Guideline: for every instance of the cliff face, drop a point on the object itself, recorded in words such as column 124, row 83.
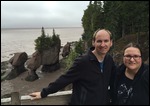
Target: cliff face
column 143, row 40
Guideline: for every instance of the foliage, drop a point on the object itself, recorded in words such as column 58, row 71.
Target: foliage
column 45, row 42
column 120, row 17
column 79, row 47
column 74, row 53
column 121, row 43
column 92, row 20
column 70, row 59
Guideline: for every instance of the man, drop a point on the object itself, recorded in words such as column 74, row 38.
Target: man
column 90, row 74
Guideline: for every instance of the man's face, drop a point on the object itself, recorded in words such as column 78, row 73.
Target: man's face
column 102, row 42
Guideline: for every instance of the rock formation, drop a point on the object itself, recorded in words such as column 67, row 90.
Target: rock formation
column 17, row 61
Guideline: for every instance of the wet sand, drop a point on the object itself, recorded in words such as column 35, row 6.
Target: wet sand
column 19, row 84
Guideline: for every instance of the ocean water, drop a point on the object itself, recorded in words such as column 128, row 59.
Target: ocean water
column 22, row 40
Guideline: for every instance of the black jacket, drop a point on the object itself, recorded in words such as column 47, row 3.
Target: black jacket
column 140, row 84
column 90, row 86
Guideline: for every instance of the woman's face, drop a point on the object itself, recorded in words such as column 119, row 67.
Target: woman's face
column 132, row 58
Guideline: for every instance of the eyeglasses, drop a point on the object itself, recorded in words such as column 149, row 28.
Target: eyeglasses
column 135, row 57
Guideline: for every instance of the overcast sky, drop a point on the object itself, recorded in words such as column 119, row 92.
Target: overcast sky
column 35, row 14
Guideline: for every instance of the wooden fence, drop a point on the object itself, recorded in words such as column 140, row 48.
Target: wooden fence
column 59, row 98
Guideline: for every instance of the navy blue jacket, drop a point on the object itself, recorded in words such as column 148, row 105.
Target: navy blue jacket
column 90, row 86
column 140, row 84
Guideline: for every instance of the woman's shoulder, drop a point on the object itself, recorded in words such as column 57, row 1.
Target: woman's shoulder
column 145, row 74
column 146, row 66
column 145, row 69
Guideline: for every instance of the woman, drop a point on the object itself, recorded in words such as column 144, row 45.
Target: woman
column 132, row 78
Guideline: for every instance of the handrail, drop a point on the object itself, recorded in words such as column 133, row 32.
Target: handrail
column 27, row 97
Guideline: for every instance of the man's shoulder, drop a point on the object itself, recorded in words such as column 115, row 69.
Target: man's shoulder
column 81, row 58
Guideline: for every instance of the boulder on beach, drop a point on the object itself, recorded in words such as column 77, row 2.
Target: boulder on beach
column 66, row 50
column 17, row 61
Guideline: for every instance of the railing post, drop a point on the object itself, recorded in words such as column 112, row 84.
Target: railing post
column 15, row 98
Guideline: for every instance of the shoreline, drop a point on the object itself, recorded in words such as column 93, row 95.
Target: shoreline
column 19, row 84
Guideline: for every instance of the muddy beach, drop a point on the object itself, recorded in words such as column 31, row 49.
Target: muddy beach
column 19, row 84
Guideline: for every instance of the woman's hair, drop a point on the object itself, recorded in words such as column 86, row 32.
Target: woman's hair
column 135, row 45
column 99, row 30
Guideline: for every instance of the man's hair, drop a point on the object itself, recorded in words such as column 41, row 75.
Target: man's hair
column 102, row 29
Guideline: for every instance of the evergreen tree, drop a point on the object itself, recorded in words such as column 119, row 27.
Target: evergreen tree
column 45, row 42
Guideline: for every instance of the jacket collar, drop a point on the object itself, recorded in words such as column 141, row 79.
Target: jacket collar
column 92, row 56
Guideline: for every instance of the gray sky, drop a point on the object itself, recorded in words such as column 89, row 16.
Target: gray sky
column 35, row 14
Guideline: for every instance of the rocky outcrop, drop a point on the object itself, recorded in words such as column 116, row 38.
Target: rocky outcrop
column 50, row 56
column 18, row 59
column 32, row 64
column 66, row 50
column 49, row 59
column 17, row 62
column 6, row 68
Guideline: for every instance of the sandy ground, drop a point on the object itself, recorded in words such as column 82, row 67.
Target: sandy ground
column 19, row 84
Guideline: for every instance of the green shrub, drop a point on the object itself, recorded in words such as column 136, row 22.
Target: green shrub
column 79, row 47
column 70, row 59
column 45, row 42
